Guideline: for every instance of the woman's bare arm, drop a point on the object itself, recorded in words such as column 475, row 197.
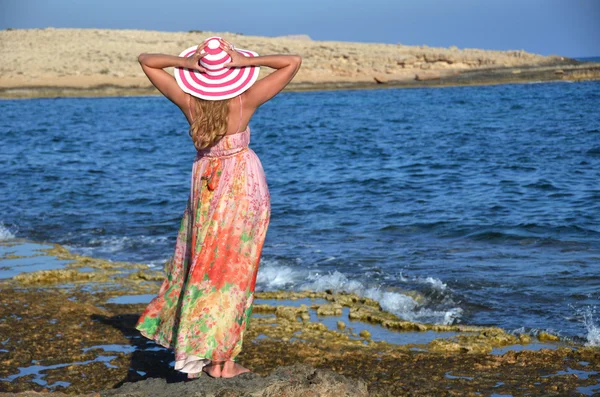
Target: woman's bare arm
column 153, row 65
column 266, row 88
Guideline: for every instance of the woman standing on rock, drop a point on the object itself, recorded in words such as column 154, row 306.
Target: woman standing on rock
column 204, row 304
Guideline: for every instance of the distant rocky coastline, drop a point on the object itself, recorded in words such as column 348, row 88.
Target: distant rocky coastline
column 100, row 62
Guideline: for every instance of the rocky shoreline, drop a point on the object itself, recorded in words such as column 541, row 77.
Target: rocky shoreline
column 96, row 62
column 571, row 73
column 70, row 329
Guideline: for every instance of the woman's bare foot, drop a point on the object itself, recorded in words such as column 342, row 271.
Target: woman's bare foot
column 213, row 369
column 231, row 369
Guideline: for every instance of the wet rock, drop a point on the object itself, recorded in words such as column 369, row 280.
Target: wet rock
column 92, row 346
column 524, row 339
column 291, row 295
column 448, row 346
column 288, row 312
column 317, row 326
column 147, row 275
column 388, row 320
column 380, row 80
column 349, row 300
column 264, row 309
column 298, row 380
column 545, row 336
column 58, row 276
column 45, row 394
column 61, row 252
column 329, row 310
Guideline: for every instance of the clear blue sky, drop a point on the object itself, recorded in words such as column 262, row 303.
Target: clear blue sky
column 565, row 27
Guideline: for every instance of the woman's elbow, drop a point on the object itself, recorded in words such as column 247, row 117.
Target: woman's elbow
column 141, row 57
column 297, row 59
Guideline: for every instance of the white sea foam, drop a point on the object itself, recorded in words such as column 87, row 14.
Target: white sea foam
column 593, row 335
column 117, row 244
column 157, row 264
column 402, row 305
column 5, row 234
column 273, row 275
column 333, row 281
column 435, row 283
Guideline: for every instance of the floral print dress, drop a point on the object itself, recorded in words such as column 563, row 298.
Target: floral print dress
column 204, row 304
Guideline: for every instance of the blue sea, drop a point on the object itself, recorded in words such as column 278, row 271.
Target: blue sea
column 588, row 59
column 484, row 200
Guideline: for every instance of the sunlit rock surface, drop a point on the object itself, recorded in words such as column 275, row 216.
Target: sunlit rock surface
column 106, row 62
column 76, row 335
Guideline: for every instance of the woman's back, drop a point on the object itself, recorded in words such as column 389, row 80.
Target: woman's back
column 238, row 117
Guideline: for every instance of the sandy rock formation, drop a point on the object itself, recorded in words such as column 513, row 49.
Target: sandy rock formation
column 88, row 58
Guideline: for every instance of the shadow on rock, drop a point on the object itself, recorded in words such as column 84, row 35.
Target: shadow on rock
column 150, row 374
column 148, row 360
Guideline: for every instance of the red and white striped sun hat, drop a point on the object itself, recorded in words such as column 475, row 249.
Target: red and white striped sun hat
column 218, row 82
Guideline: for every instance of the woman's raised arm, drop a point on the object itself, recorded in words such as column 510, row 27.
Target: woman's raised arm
column 153, row 65
column 266, row 88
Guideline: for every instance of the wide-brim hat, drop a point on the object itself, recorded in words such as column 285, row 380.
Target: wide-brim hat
column 218, row 82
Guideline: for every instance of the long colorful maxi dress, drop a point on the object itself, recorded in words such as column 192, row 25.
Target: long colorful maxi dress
column 204, row 304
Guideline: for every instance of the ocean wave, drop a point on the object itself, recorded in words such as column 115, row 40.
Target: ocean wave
column 433, row 282
column 407, row 308
column 398, row 303
column 593, row 330
column 117, row 244
column 158, row 263
column 5, row 233
column 272, row 275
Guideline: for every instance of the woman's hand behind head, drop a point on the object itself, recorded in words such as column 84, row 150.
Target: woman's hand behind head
column 266, row 88
column 237, row 59
column 193, row 61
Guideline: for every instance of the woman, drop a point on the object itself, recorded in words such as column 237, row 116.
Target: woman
column 203, row 306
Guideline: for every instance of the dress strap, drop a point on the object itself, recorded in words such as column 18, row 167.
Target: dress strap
column 240, row 124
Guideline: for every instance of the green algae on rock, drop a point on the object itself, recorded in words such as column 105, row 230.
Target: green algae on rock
column 70, row 268
column 68, row 336
column 147, row 275
column 59, row 276
column 75, row 337
column 63, row 253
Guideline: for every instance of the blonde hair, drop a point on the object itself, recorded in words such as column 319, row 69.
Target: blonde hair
column 209, row 122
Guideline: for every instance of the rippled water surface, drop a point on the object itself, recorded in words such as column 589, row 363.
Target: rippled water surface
column 484, row 199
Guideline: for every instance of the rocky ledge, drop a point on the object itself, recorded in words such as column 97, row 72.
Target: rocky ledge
column 105, row 62
column 298, row 380
column 72, row 331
